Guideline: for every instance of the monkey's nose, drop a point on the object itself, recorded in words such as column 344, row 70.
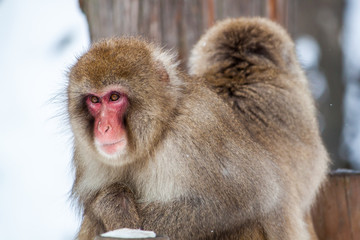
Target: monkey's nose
column 104, row 128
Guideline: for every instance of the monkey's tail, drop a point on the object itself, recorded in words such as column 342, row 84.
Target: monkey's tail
column 240, row 51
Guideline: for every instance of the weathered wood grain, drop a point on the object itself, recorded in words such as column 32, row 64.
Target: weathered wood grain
column 336, row 214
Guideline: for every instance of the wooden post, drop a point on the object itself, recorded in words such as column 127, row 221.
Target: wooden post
column 278, row 11
column 336, row 214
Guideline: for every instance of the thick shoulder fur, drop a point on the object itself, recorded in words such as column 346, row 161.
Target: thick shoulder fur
column 252, row 65
column 237, row 43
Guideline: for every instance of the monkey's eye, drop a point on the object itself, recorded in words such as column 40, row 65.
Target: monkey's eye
column 94, row 99
column 114, row 97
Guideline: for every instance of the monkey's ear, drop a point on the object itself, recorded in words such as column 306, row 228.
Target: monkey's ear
column 161, row 70
column 166, row 66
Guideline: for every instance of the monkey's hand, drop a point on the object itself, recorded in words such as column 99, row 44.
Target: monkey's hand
column 115, row 207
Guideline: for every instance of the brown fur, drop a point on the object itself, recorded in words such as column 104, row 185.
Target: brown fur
column 232, row 152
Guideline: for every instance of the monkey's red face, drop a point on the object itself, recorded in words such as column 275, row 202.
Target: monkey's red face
column 108, row 110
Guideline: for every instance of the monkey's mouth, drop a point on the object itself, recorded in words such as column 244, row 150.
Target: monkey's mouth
column 111, row 149
column 114, row 143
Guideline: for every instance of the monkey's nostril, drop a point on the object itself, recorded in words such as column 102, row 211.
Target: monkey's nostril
column 103, row 128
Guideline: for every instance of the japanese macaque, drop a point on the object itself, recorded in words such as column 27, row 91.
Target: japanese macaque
column 229, row 151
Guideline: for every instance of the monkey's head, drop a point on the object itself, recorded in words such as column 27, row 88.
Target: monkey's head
column 121, row 93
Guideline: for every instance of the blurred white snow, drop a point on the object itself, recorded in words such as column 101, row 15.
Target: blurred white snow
column 39, row 39
column 351, row 39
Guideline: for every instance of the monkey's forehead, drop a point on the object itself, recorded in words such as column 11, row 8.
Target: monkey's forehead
column 113, row 59
column 131, row 48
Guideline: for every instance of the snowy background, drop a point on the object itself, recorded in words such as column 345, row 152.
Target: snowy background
column 39, row 40
column 351, row 40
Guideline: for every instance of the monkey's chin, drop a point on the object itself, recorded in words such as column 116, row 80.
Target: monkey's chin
column 111, row 150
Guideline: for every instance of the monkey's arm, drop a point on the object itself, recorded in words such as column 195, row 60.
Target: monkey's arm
column 90, row 228
column 196, row 219
column 115, row 208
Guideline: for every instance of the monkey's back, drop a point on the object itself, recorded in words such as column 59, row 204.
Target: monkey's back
column 218, row 152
